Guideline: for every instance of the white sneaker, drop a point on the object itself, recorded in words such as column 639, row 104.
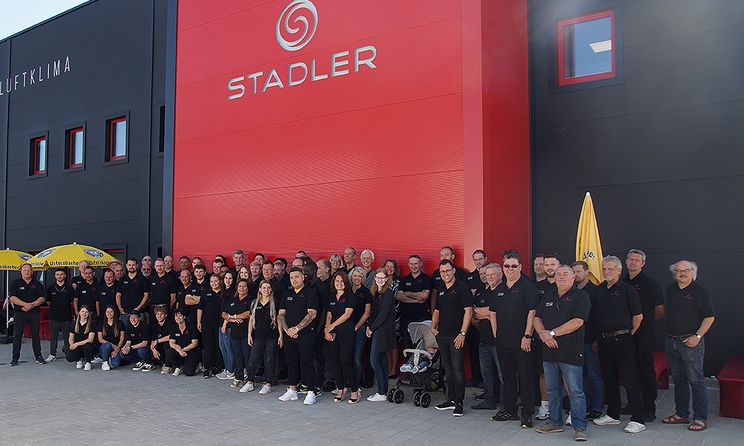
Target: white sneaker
column 79, row 365
column 87, row 366
column 406, row 368
column 289, row 395
column 166, row 370
column 376, row 398
column 50, row 358
column 543, row 412
column 568, row 420
column 248, row 387
column 176, row 371
column 309, row 398
column 105, row 366
column 96, row 360
column 606, row 420
column 265, row 390
column 137, row 367
column 634, row 427
column 222, row 375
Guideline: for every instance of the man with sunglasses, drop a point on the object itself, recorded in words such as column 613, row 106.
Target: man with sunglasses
column 515, row 304
column 449, row 322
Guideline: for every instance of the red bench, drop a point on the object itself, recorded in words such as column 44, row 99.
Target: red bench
column 661, row 367
column 731, row 380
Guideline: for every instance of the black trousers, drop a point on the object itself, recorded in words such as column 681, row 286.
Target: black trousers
column 340, row 361
column 54, row 328
column 186, row 364
column 644, row 348
column 162, row 348
column 211, row 353
column 84, row 352
column 263, row 350
column 319, row 360
column 472, row 340
column 617, row 362
column 21, row 319
column 299, row 353
column 453, row 360
column 517, row 368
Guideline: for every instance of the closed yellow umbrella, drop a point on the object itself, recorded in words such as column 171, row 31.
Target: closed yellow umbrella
column 68, row 256
column 11, row 260
column 588, row 246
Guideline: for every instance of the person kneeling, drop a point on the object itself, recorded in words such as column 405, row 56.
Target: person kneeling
column 137, row 338
column 183, row 354
column 111, row 339
column 81, row 340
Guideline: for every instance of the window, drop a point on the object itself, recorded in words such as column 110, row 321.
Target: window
column 586, row 48
column 118, row 253
column 38, row 156
column 117, row 139
column 75, row 148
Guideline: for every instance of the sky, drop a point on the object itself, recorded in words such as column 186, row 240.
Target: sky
column 18, row 15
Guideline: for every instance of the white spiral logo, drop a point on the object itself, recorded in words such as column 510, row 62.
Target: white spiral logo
column 298, row 22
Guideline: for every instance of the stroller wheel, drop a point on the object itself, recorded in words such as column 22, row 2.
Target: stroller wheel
column 391, row 395
column 425, row 400
column 399, row 396
column 417, row 398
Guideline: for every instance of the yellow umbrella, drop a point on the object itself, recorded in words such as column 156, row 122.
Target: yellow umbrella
column 68, row 256
column 11, row 260
column 588, row 245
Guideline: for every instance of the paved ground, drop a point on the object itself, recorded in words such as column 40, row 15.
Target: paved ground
column 58, row 404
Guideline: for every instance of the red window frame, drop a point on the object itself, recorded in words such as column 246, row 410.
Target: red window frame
column 35, row 155
column 111, row 125
column 71, row 164
column 560, row 25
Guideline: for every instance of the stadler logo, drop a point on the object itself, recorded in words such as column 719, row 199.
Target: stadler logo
column 299, row 19
column 295, row 28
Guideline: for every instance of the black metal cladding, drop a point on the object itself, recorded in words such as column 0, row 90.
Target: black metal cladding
column 660, row 152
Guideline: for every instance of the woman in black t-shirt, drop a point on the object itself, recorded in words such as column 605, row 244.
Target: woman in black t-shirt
column 361, row 317
column 339, row 333
column 82, row 337
column 208, row 323
column 235, row 314
column 264, row 336
column 110, row 338
column 183, row 355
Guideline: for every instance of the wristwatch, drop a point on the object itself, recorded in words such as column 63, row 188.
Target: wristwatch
column 698, row 336
column 552, row 333
column 462, row 333
column 526, row 336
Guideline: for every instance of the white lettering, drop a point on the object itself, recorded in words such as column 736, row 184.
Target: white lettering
column 335, row 64
column 33, row 70
column 314, row 76
column 358, row 61
column 239, row 87
column 56, row 67
column 15, row 83
column 1, row 88
column 291, row 82
column 24, row 78
column 272, row 83
column 255, row 77
column 49, row 69
column 67, row 64
column 41, row 79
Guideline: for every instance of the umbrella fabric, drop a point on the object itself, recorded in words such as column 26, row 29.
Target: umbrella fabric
column 588, row 245
column 11, row 260
column 68, row 256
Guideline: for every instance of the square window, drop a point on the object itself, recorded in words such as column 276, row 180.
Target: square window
column 75, row 148
column 117, row 139
column 586, row 48
column 38, row 156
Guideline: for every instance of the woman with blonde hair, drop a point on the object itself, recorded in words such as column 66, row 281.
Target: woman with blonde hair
column 81, row 339
column 336, row 263
column 265, row 338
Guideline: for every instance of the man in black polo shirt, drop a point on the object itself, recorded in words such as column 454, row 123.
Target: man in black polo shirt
column 446, row 253
column 319, row 278
column 472, row 337
column 473, row 278
column 107, row 292
column 239, row 260
column 133, row 292
column 593, row 384
column 689, row 317
column 168, row 264
column 75, row 281
column 349, row 259
column 652, row 304
column 27, row 295
column 515, row 304
column 413, row 294
column 449, row 322
column 619, row 315
column 59, row 295
column 538, row 268
column 550, row 264
column 86, row 293
column 297, row 310
column 162, row 289
column 559, row 322
column 184, row 262
column 485, row 320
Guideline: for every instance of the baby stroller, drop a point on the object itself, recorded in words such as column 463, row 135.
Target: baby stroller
column 423, row 370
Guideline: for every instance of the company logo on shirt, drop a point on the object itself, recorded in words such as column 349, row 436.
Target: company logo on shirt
column 548, row 304
column 684, row 296
column 299, row 21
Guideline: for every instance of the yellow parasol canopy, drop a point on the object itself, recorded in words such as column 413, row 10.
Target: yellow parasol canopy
column 68, row 256
column 11, row 260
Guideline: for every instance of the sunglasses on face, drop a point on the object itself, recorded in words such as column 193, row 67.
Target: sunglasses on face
column 512, row 266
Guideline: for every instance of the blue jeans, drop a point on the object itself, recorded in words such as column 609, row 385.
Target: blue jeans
column 572, row 376
column 360, row 339
column 241, row 353
column 227, row 351
column 686, row 365
column 141, row 354
column 488, row 357
column 593, row 385
column 379, row 365
column 104, row 351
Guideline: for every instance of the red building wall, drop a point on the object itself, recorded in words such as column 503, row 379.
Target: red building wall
column 428, row 147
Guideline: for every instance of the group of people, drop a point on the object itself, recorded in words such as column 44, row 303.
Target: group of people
column 528, row 339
